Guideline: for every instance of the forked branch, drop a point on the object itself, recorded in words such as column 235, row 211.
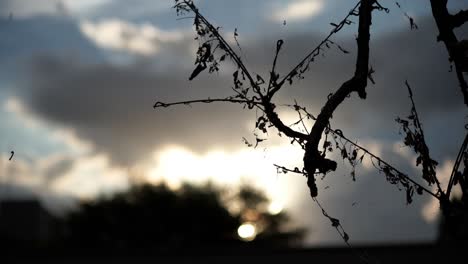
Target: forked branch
column 457, row 52
column 313, row 159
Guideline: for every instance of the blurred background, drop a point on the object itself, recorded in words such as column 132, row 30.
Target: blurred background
column 96, row 166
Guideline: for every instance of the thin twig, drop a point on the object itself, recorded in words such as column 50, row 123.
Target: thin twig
column 313, row 52
column 229, row 49
column 239, row 101
column 461, row 154
column 399, row 173
column 284, row 169
column 425, row 150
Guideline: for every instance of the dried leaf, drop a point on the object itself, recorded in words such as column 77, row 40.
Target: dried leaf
column 345, row 237
column 335, row 222
column 200, row 67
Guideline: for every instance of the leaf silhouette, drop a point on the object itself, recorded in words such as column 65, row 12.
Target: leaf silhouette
column 200, row 67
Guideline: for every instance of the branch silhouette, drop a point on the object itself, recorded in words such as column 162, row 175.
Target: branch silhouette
column 459, row 18
column 249, row 103
column 313, row 159
column 415, row 139
column 446, row 23
column 252, row 91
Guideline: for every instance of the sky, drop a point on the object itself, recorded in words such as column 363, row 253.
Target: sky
column 78, row 79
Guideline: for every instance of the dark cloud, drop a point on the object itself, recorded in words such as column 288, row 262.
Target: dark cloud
column 112, row 105
column 23, row 38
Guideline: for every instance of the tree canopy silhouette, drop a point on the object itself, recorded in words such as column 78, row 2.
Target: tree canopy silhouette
column 155, row 217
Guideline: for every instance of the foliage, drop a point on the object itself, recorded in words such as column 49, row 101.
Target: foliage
column 156, row 217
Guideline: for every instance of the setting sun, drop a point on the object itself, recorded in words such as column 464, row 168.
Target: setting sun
column 247, row 231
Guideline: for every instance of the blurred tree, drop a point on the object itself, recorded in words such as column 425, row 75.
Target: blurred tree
column 158, row 218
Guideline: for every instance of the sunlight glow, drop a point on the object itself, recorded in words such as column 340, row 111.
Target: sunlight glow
column 275, row 208
column 247, row 231
column 175, row 165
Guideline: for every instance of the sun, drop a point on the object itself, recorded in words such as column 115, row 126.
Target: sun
column 247, row 231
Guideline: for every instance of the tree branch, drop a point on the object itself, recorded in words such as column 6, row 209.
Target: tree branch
column 400, row 174
column 445, row 24
column 308, row 58
column 224, row 43
column 250, row 103
column 268, row 107
column 417, row 140
column 459, row 18
column 461, row 154
column 276, row 121
column 313, row 159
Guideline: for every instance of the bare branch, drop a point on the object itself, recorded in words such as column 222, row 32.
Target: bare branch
column 276, row 121
column 415, row 138
column 445, row 24
column 224, row 44
column 459, row 18
column 268, row 107
column 398, row 173
column 286, row 170
column 315, row 52
column 313, row 159
column 410, row 19
column 273, row 75
column 335, row 223
column 463, row 151
column 249, row 103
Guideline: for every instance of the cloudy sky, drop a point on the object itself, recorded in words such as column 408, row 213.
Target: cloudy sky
column 78, row 79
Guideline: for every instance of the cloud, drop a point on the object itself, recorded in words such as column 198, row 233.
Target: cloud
column 24, row 8
column 116, row 34
column 113, row 107
column 29, row 8
column 91, row 176
column 135, row 10
column 24, row 179
column 59, row 170
column 54, row 167
column 298, row 10
column 58, row 133
column 84, row 5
